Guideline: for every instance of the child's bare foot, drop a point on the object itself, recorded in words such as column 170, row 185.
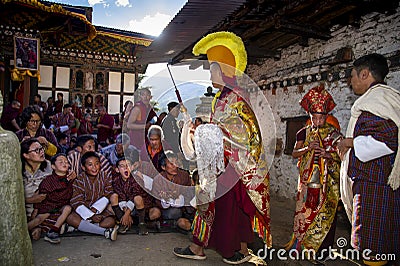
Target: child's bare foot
column 36, row 232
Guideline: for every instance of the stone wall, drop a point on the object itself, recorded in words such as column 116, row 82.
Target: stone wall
column 377, row 33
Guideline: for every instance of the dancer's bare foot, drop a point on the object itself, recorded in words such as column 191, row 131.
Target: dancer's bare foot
column 244, row 252
column 243, row 249
column 196, row 249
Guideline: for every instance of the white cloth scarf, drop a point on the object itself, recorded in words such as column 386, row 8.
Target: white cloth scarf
column 383, row 101
column 209, row 146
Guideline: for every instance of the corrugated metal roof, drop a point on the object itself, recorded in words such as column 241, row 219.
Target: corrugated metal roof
column 193, row 21
column 265, row 26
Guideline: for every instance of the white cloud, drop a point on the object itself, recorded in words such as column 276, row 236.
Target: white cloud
column 152, row 25
column 95, row 2
column 122, row 3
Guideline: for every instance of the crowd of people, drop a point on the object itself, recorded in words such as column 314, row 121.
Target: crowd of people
column 91, row 179
column 104, row 184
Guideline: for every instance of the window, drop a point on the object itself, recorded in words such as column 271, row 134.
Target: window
column 129, row 83
column 46, row 77
column 114, row 84
column 293, row 125
column 45, row 94
column 114, row 104
column 99, row 81
column 62, row 78
column 79, row 79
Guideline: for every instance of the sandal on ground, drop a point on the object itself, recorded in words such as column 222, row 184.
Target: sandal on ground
column 188, row 254
column 237, row 258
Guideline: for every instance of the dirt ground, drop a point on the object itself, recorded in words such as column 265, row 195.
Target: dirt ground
column 156, row 248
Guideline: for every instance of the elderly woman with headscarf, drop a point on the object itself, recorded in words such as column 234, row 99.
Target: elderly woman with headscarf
column 32, row 127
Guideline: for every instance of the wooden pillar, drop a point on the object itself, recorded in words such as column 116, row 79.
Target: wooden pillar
column 27, row 91
column 15, row 244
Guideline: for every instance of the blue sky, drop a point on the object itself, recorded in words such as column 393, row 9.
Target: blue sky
column 144, row 16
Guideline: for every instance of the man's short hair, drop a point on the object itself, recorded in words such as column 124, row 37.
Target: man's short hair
column 61, row 136
column 82, row 139
column 198, row 119
column 166, row 155
column 375, row 63
column 140, row 91
column 87, row 156
column 127, row 102
column 132, row 155
column 67, row 105
column 171, row 105
column 123, row 138
column 54, row 158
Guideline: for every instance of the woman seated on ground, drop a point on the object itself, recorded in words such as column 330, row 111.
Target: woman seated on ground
column 34, row 168
column 32, row 127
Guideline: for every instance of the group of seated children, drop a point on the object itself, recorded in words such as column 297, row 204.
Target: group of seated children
column 83, row 192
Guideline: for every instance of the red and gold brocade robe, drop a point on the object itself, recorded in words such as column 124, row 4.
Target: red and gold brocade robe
column 245, row 153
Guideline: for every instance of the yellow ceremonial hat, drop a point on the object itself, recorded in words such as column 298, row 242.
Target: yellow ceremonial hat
column 225, row 48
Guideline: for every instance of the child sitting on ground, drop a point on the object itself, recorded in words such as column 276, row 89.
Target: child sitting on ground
column 130, row 194
column 55, row 208
column 122, row 201
column 90, row 200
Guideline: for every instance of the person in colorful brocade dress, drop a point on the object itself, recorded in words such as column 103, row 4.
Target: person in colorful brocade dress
column 318, row 187
column 372, row 201
column 244, row 187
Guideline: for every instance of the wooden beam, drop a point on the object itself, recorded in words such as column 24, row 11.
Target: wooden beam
column 302, row 29
column 195, row 64
column 260, row 53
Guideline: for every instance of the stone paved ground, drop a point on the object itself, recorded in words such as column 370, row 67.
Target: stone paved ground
column 156, row 248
